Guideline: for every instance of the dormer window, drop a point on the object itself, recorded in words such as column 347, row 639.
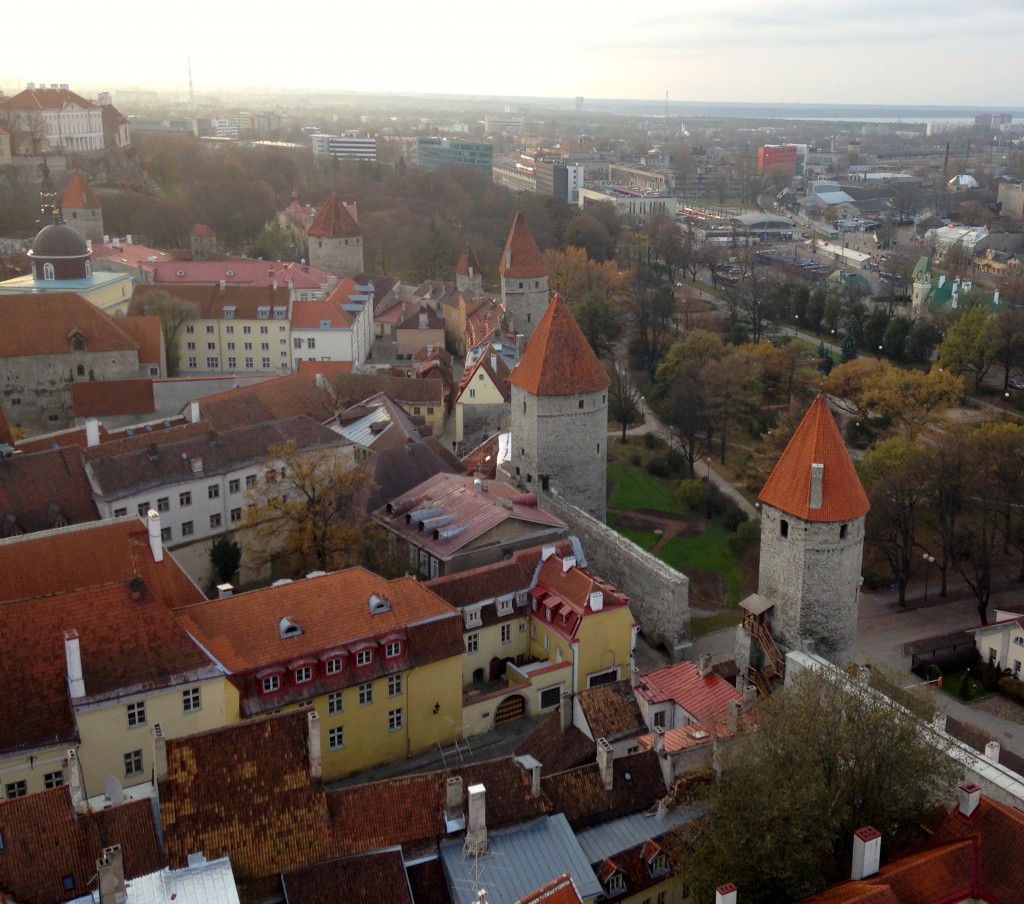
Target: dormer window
column 271, row 684
column 472, row 618
column 504, row 607
column 364, row 657
column 658, row 865
column 303, row 674
column 615, row 884
column 48, row 271
column 287, row 628
column 333, row 666
column 393, row 649
column 378, row 604
column 78, row 343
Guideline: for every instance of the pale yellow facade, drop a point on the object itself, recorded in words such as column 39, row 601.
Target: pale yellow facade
column 39, row 769
column 601, row 651
column 110, row 292
column 480, row 390
column 235, row 346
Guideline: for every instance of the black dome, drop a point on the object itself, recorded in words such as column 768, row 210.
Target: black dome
column 58, row 240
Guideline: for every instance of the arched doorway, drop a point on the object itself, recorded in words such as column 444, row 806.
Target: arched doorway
column 510, row 709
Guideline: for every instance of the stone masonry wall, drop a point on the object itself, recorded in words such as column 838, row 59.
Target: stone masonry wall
column 659, row 596
column 525, row 302
column 343, row 257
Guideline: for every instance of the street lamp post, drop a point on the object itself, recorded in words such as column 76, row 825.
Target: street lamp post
column 796, row 324
column 879, row 352
column 928, row 562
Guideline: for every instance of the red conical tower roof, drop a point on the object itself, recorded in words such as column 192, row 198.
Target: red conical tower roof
column 816, row 442
column 522, row 257
column 558, row 360
column 78, row 195
column 333, row 221
column 468, row 261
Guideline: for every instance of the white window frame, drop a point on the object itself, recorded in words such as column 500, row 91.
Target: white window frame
column 335, row 703
column 394, row 685
column 191, row 700
column 396, row 719
column 271, row 684
column 136, row 714
column 336, row 737
column 366, row 693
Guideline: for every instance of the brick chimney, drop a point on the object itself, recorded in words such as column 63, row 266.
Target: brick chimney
column 159, row 754
column 313, row 740
column 73, row 655
column 76, row 782
column 605, row 761
column 704, row 665
column 156, row 545
column 453, row 799
column 110, row 876
column 970, row 797
column 725, row 894
column 476, row 829
column 565, row 710
column 867, row 852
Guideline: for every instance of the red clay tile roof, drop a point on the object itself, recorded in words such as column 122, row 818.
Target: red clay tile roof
column 363, row 879
column 45, row 840
column 238, row 271
column 42, row 490
column 611, row 711
column 467, row 261
column 202, row 231
column 106, row 398
column 48, row 99
column 78, row 195
column 327, row 368
column 558, row 360
column 497, row 372
column 565, row 591
column 706, row 699
column 333, row 221
column 242, row 631
column 43, row 324
column 428, row 883
column 816, row 441
column 309, row 315
column 557, row 891
column 210, row 300
column 146, row 331
column 269, row 400
column 557, row 750
column 521, row 257
column 245, row 792
column 134, row 255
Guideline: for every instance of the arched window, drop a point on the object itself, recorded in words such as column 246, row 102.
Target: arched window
column 88, row 269
column 78, row 343
column 48, row 271
column 81, row 370
column 784, row 528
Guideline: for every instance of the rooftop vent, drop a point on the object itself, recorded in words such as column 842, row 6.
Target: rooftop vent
column 288, row 628
column 378, row 604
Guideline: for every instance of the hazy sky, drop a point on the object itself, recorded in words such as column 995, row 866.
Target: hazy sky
column 866, row 51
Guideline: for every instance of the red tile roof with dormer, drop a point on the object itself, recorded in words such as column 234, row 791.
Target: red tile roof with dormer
column 521, row 256
column 816, row 441
column 334, row 221
column 48, row 99
column 43, row 324
column 558, row 360
column 46, row 840
column 557, row 891
column 564, row 588
column 236, row 271
column 311, row 315
column 468, row 262
column 79, row 196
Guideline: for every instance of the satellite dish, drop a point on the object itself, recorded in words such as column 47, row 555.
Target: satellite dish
column 113, row 791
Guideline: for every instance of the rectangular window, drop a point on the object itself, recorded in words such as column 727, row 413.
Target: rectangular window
column 366, row 694
column 235, row 485
column 163, row 504
column 266, row 362
column 236, row 515
column 333, row 665
column 120, row 512
column 166, row 534
column 250, row 481
column 136, row 714
column 53, row 780
column 187, row 528
column 213, row 363
column 394, row 685
column 264, row 346
column 16, row 789
column 659, row 719
column 229, row 330
column 335, row 704
column 364, row 657
column 472, row 643
column 303, row 674
column 246, row 329
column 192, row 363
column 297, row 342
column 231, row 346
column 190, row 346
column 264, row 330
column 472, row 393
column 506, row 633
column 209, row 329
column 184, row 499
column 190, row 700
column 550, row 696
column 394, row 719
column 336, row 737
column 232, row 363
column 133, row 762
column 215, row 521
column 213, row 491
column 190, row 328
column 312, row 343
column 271, row 683
column 393, row 649
column 144, row 509
column 248, row 363
column 211, row 346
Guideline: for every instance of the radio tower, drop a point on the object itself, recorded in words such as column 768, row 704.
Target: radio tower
column 191, row 99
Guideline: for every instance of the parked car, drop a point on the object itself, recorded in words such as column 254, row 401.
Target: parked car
column 1017, row 382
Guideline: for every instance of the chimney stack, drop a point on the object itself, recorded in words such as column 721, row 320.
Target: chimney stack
column 224, row 591
column 704, row 665
column 546, row 552
column 732, row 716
column 73, row 655
column 634, row 677
column 817, row 475
column 476, row 831
column 659, row 739
column 92, row 432
column 867, row 852
column 313, row 740
column 970, row 797
column 596, row 600
column 156, row 545
column 453, row 799
column 749, row 696
column 605, row 761
column 159, row 753
column 193, row 412
column 566, row 710
column 76, row 782
column 567, row 563
column 992, row 749
column 110, row 876
column 725, row 894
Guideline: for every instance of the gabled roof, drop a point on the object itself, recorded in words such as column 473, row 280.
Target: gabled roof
column 327, row 313
column 36, row 325
column 79, row 196
column 816, row 441
column 146, row 331
column 105, row 398
column 557, row 750
column 270, row 400
column 237, row 271
column 611, row 711
column 468, row 262
column 521, row 257
column 333, row 221
column 210, row 300
column 363, row 879
column 392, row 472
column 705, row 698
column 202, row 231
column 558, row 360
column 45, row 840
column 558, row 891
column 568, row 591
column 41, row 491
column 497, row 372
column 48, row 99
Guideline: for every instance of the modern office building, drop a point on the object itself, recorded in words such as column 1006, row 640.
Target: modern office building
column 434, row 153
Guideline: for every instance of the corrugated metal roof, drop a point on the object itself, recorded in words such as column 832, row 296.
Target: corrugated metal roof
column 209, row 882
column 622, row 834
column 518, row 862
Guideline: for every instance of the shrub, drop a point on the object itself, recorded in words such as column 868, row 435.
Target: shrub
column 965, row 686
column 651, row 440
column 747, row 534
column 932, row 673
column 676, row 461
column 658, row 467
column 734, row 518
column 634, row 459
column 693, row 495
column 1012, row 688
column 990, row 676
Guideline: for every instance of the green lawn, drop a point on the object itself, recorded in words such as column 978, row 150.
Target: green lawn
column 645, row 539
column 705, row 624
column 634, row 488
column 951, row 685
column 710, row 552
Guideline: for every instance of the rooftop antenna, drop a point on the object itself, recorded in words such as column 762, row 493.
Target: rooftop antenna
column 191, row 96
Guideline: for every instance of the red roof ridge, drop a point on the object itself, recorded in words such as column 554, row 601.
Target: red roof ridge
column 468, row 262
column 79, row 196
column 333, row 221
column 558, row 360
column 521, row 256
column 817, row 441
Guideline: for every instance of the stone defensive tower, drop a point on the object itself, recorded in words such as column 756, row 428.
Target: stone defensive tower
column 335, row 240
column 82, row 210
column 813, row 508
column 560, row 414
column 524, row 280
column 202, row 241
column 469, row 277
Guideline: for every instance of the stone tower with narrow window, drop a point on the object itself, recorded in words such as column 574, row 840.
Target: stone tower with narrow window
column 524, row 280
column 82, row 210
column 335, row 239
column 560, row 414
column 813, row 508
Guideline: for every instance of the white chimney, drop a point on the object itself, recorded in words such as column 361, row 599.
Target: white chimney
column 76, row 783
column 995, row 297
column 704, row 665
column 476, row 831
column 605, row 760
column 596, row 601
column 546, row 552
column 566, row 710
column 732, row 716
column 634, row 676
column 313, row 740
column 156, row 545
column 128, row 239
column 453, row 798
column 92, row 432
column 224, row 591
column 725, row 894
column 494, row 362
column 73, row 655
column 817, row 474
column 193, row 412
column 659, row 739
column 992, row 749
column 970, row 797
column 567, row 563
column 942, row 281
column 867, row 852
column 159, row 753
column 110, row 876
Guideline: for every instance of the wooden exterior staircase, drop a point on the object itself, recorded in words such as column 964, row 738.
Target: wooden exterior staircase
column 775, row 667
